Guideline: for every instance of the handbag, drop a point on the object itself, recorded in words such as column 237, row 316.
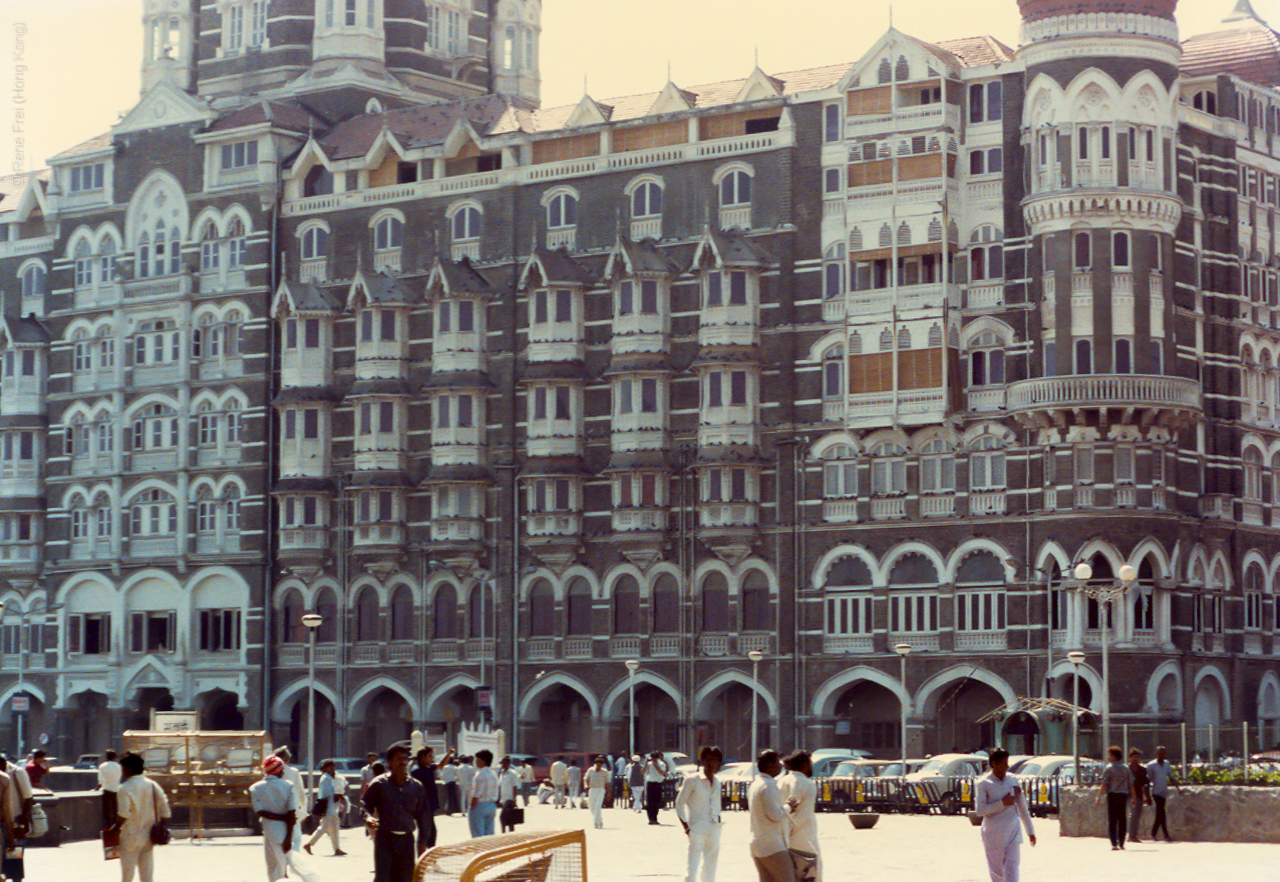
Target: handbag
column 160, row 834
column 806, row 864
column 321, row 807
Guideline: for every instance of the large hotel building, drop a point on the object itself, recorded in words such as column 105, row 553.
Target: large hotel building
column 749, row 382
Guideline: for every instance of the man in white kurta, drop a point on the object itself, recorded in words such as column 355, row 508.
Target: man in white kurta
column 141, row 804
column 276, row 803
column 598, row 780
column 698, row 808
column 769, row 822
column 800, row 793
column 1000, row 802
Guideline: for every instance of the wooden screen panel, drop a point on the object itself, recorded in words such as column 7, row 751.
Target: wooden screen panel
column 560, row 149
column 646, row 137
column 867, row 101
column 731, row 125
column 872, row 372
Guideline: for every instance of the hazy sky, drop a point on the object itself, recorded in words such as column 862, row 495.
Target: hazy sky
column 83, row 56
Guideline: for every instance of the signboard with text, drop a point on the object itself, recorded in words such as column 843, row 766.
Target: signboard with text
column 21, row 704
column 175, row 721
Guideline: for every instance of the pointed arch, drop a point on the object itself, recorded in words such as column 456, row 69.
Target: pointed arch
column 824, row 700
column 361, row 697
column 1167, row 668
column 443, row 690
column 720, row 682
column 927, row 696
column 614, row 699
column 282, row 707
column 559, row 678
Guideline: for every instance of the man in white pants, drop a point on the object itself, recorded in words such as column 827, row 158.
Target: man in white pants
column 559, row 780
column 999, row 801
column 599, row 783
column 574, row 782
column 698, row 808
column 334, row 799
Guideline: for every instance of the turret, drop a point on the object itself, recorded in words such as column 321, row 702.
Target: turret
column 168, row 37
column 517, row 32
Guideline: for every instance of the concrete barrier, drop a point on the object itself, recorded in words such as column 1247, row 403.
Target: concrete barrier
column 1196, row 814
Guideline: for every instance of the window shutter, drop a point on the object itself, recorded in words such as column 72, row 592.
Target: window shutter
column 171, row 637
column 205, row 627
column 75, row 627
column 137, row 629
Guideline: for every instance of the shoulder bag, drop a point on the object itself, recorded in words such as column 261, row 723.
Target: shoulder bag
column 160, row 834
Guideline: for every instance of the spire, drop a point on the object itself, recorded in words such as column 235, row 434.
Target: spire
column 1244, row 11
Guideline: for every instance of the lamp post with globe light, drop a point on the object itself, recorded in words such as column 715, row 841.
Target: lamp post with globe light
column 632, row 667
column 1105, row 595
column 312, row 621
column 903, row 650
column 1076, row 657
column 755, row 655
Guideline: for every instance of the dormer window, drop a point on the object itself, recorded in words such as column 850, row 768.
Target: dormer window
column 241, row 154
column 86, row 177
column 378, row 325
column 638, row 297
column 456, row 316
column 446, row 34
column 728, row 288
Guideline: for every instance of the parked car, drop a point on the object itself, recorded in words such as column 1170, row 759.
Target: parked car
column 825, row 766
column 736, row 772
column 852, row 752
column 895, row 769
column 1060, row 767
column 678, row 762
column 88, row 761
column 347, row 766
column 941, row 770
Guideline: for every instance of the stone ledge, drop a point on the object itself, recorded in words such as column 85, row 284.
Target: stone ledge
column 1196, row 814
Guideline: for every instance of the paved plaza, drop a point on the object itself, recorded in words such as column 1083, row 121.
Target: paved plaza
column 899, row 848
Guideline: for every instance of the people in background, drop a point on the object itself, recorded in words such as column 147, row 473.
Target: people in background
column 618, row 766
column 452, row 795
column 598, row 780
column 294, row 777
column 396, row 805
column 559, row 780
column 333, row 799
column 109, row 775
column 635, row 782
column 800, row 794
column 466, row 772
column 574, row 783
column 526, row 780
column 275, row 802
column 142, row 804
column 21, row 800
column 484, row 796
column 1141, row 792
column 698, row 810
column 1160, row 774
column 426, row 771
column 655, row 772
column 509, row 784
column 998, row 799
column 769, row 822
column 37, row 767
column 1117, row 787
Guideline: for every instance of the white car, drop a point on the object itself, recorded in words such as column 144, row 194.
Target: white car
column 940, row 771
column 737, row 772
column 678, row 763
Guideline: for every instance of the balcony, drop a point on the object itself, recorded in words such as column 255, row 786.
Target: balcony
column 664, row 646
column 735, row 217
column 291, row 655
column 624, row 647
column 313, row 270
column 368, row 535
column 917, row 641
column 834, row 309
column 987, row 502
column 728, row 514
column 840, row 644
column 18, row 553
column 910, row 407
column 1059, row 400
column 164, row 287
column 1126, row 496
column 541, row 648
column 938, row 505
column 469, row 249
column 327, row 655
column 1084, row 496
column 443, row 651
column 366, row 654
column 556, row 524
column 565, row 237
column 755, row 643
column 577, row 647
column 647, row 228
column 304, row 539
column 1217, row 506
column 1251, row 513
column 714, row 645
column 984, row 296
column 881, row 301
column 158, row 374
column 982, row 640
column 153, row 546
column 840, row 511
column 479, row 648
column 401, row 653
column 986, row 400
column 888, row 508
column 387, row 261
column 641, row 520
column 904, row 119
column 457, row 530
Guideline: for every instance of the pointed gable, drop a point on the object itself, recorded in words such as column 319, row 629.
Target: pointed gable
column 377, row 288
column 164, row 105
column 637, row 259
column 672, row 99
column 301, row 297
column 759, row 86
column 589, row 112
column 20, row 331
column 720, row 248
column 453, row 278
column 553, row 268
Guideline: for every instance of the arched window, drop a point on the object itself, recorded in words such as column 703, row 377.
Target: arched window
column 291, row 610
column 315, row 243
column 833, row 272
column 84, row 263
column 646, row 200
column 368, row 616
column 388, row 234
column 937, row 467
column 755, row 602
column 401, row 613
column 562, row 211
column 986, row 464
column 480, row 612
column 1143, row 608
column 1252, row 474
column 231, row 515
column 444, row 608
column 1083, row 252
column 626, row 605
column 579, row 608
column 715, row 603
column 735, row 189
column 327, row 609
column 980, row 594
column 833, row 373
column 904, row 233
column 888, row 469
column 902, row 70
column 839, row 472
column 210, row 249
column 466, row 223
column 666, row 605
column 884, row 73
column 986, row 360
column 913, row 604
column 542, row 609
column 237, row 243
column 153, row 513
column 34, row 281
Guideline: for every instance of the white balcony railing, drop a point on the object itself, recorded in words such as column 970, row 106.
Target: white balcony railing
column 984, row 296
column 1084, row 496
column 479, row 648
column 989, row 400
column 379, row 534
column 917, row 641
column 938, row 505
column 664, row 646
column 304, row 539
column 366, row 653
column 727, row 514
column 987, row 502
column 292, row 655
column 981, row 640
column 739, row 217
column 577, row 647
column 541, row 648
column 443, row 651
column 1126, row 496
column 624, row 647
column 639, row 519
column 840, row 511
column 1104, row 389
column 754, row 643
column 713, row 644
column 401, row 653
column 837, row 644
column 556, row 524
column 888, row 508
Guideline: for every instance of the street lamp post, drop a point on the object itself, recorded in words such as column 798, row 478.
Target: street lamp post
column 1105, row 595
column 1076, row 657
column 632, row 667
column 903, row 650
column 312, row 621
column 755, row 655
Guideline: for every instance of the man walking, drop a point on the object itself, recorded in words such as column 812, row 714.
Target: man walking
column 769, row 822
column 1141, row 792
column 999, row 801
column 575, row 785
column 698, row 809
column 466, row 773
column 635, row 782
column 598, row 781
column 333, row 799
column 276, row 803
column 1160, row 774
column 142, row 805
column 425, row 772
column 559, row 780
column 397, row 806
column 655, row 772
column 109, row 783
column 294, row 777
column 449, row 775
column 618, row 766
column 484, row 796
column 1117, row 786
column 526, row 780
column 508, row 786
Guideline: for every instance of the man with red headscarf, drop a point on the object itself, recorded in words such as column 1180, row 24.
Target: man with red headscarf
column 276, row 803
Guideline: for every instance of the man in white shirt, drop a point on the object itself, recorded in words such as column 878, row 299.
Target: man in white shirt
column 635, row 783
column 998, row 799
column 769, row 822
column 698, row 808
column 294, row 777
column 655, row 772
column 526, row 780
column 333, row 795
column 599, row 782
column 449, row 775
column 466, row 774
column 276, row 803
column 559, row 780
column 484, row 796
column 109, row 783
column 508, row 786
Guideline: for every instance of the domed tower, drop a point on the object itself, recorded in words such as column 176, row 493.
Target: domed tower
column 1100, row 212
column 169, row 38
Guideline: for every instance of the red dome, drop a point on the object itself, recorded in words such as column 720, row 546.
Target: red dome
column 1034, row 10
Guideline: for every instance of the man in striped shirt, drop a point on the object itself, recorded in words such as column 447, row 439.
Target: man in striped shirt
column 484, row 796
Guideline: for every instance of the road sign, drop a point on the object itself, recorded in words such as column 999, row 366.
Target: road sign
column 484, row 698
column 21, row 704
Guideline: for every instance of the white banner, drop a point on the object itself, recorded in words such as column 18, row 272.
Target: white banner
column 482, row 738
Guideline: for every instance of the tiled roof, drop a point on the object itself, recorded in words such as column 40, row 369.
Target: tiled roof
column 26, row 330
column 558, row 267
column 459, row 277
column 279, row 114
column 978, row 51
column 380, row 288
column 93, row 145
column 414, row 126
column 1250, row 51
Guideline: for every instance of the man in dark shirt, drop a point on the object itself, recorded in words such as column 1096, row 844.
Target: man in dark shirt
column 425, row 772
column 397, row 805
